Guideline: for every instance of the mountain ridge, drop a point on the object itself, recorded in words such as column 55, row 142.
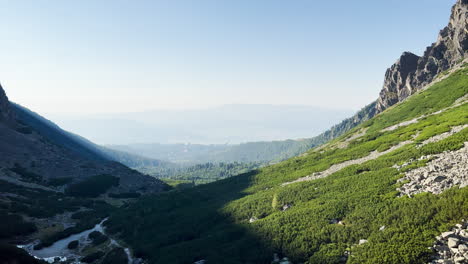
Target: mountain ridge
column 411, row 72
column 33, row 145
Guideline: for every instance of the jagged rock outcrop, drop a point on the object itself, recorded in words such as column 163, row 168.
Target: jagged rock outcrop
column 412, row 73
column 397, row 82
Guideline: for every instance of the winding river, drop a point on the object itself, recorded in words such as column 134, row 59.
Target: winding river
column 59, row 250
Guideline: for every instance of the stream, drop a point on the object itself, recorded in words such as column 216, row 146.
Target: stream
column 59, row 250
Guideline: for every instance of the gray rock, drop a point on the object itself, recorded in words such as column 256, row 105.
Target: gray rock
column 451, row 247
column 453, row 242
column 253, row 219
column 463, row 248
column 411, row 72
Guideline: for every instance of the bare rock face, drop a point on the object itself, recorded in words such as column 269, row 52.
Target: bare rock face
column 6, row 113
column 411, row 73
column 397, row 84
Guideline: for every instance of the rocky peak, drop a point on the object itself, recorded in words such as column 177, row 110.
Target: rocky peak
column 397, row 85
column 6, row 114
column 411, row 73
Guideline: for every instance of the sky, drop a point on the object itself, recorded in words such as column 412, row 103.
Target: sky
column 115, row 56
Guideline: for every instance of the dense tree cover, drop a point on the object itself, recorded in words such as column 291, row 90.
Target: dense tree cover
column 263, row 152
column 206, row 172
column 213, row 221
column 38, row 203
column 25, row 174
column 90, row 258
column 20, row 203
column 134, row 160
column 12, row 254
column 115, row 256
column 73, row 244
column 85, row 220
column 92, row 186
column 97, row 237
column 60, row 181
column 14, row 225
column 124, row 195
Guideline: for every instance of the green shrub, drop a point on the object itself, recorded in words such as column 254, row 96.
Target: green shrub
column 115, row 256
column 92, row 186
column 12, row 254
column 60, row 181
column 211, row 221
column 73, row 244
column 25, row 174
column 97, row 237
column 92, row 257
column 124, row 195
column 14, row 225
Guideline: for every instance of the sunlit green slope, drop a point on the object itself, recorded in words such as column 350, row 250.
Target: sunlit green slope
column 241, row 219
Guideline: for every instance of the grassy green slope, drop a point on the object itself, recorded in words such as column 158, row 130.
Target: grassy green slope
column 211, row 222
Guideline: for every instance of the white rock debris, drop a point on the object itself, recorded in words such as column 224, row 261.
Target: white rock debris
column 445, row 135
column 445, row 171
column 253, row 219
column 452, row 246
column 337, row 167
column 458, row 102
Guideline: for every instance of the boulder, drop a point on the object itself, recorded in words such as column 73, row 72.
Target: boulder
column 453, row 242
column 463, row 248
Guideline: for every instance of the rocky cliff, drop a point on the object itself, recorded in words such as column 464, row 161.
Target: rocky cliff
column 411, row 72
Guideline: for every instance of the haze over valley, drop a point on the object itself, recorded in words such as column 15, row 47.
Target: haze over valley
column 228, row 124
column 234, row 132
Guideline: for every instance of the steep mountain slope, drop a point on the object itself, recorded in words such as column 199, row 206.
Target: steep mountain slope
column 411, row 72
column 337, row 203
column 76, row 143
column 34, row 150
column 54, row 184
column 380, row 193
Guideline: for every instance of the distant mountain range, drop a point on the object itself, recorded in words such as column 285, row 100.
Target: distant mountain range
column 228, row 124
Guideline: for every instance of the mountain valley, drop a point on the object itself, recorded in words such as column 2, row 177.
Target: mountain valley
column 386, row 185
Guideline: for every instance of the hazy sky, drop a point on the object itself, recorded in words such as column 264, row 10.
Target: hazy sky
column 93, row 56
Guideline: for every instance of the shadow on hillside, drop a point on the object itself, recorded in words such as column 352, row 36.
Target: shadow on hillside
column 189, row 225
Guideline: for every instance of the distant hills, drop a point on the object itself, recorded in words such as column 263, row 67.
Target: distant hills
column 228, row 124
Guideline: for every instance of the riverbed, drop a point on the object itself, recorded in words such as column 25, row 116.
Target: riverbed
column 59, row 250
